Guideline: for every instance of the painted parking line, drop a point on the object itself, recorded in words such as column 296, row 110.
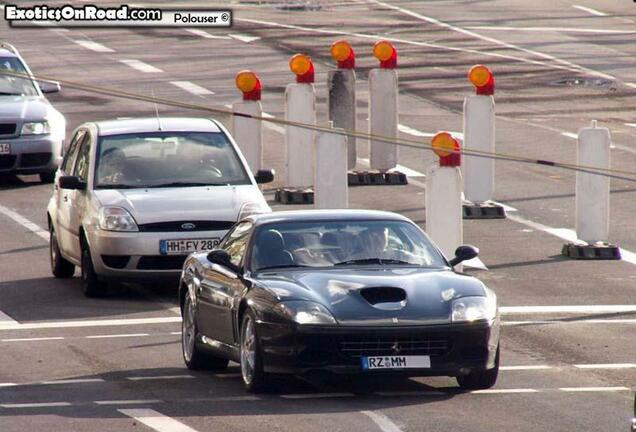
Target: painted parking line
column 569, row 309
column 606, row 366
column 243, row 37
column 593, row 389
column 505, row 391
column 72, row 381
column 583, row 321
column 33, row 227
column 418, row 133
column 552, row 29
column 382, row 421
column 110, row 336
column 525, row 367
column 192, row 88
column 205, row 34
column 155, row 420
column 128, row 402
column 36, row 405
column 589, row 10
column 140, row 66
column 94, row 46
column 34, row 339
column 90, row 323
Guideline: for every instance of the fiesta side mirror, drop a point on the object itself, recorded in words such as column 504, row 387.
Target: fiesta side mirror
column 222, row 258
column 464, row 253
column 72, row 182
column 264, row 176
column 49, row 86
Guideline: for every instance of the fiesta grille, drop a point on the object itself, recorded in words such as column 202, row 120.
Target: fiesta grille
column 7, row 128
column 7, row 161
column 34, row 159
column 383, row 346
column 160, row 262
column 186, row 226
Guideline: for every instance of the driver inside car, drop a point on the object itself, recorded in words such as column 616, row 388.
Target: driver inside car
column 112, row 165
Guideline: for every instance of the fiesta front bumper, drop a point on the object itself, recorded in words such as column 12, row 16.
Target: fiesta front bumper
column 454, row 349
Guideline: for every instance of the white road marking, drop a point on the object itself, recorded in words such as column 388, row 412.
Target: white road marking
column 527, row 367
column 418, row 133
column 36, row 405
column 108, row 336
column 193, row 88
column 94, row 46
column 175, row 333
column 565, row 63
column 128, row 402
column 34, row 228
column 35, row 339
column 7, row 385
column 580, row 321
column 593, row 389
column 504, row 391
column 631, row 125
column 554, row 29
column 383, row 422
column 632, row 85
column 89, row 323
column 589, row 10
column 159, row 377
column 606, row 366
column 316, row 395
column 506, row 207
column 205, row 34
column 576, row 309
column 570, row 135
column 140, row 66
column 243, row 37
column 156, row 420
column 72, row 381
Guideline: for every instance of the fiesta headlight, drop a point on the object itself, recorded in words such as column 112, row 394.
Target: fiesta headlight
column 305, row 312
column 116, row 219
column 468, row 309
column 250, row 208
column 35, row 128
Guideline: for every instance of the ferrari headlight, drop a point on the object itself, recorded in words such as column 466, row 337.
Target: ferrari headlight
column 250, row 208
column 305, row 312
column 474, row 308
column 35, row 128
column 116, row 219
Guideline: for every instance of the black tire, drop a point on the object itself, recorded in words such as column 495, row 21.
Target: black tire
column 60, row 267
column 254, row 378
column 480, row 380
column 194, row 356
column 47, row 177
column 91, row 285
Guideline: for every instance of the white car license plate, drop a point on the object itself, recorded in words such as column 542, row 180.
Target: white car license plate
column 5, row 148
column 186, row 246
column 396, row 362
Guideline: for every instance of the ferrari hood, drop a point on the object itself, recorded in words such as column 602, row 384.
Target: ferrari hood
column 377, row 296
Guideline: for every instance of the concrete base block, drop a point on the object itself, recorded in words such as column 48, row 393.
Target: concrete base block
column 485, row 210
column 598, row 251
column 294, row 196
column 376, row 178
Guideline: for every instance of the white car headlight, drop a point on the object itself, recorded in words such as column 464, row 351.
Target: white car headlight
column 36, row 128
column 305, row 312
column 116, row 219
column 468, row 309
column 250, row 208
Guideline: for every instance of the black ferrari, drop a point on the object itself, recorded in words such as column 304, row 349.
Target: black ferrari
column 340, row 291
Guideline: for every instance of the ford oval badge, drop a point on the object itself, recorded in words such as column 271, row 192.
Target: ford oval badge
column 188, row 226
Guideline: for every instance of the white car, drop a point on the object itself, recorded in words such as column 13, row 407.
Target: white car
column 132, row 198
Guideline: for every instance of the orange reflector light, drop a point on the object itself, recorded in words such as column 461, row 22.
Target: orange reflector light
column 383, row 50
column 444, row 144
column 341, row 50
column 300, row 64
column 246, row 81
column 479, row 75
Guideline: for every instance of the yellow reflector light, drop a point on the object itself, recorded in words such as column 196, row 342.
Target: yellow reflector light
column 443, row 144
column 383, row 50
column 479, row 75
column 246, row 81
column 340, row 50
column 300, row 64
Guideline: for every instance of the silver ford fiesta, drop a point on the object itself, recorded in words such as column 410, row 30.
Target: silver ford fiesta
column 132, row 198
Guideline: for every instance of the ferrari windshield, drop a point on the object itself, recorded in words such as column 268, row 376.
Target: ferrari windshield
column 167, row 159
column 343, row 243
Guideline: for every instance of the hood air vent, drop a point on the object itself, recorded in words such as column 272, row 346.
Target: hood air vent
column 386, row 298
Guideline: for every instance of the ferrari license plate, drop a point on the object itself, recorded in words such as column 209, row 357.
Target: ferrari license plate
column 396, row 362
column 5, row 148
column 186, row 246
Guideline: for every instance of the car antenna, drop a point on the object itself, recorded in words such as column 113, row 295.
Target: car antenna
column 156, row 109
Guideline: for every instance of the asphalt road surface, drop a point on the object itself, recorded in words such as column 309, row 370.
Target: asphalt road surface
column 114, row 364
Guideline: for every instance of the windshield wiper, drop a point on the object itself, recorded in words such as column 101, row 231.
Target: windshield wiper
column 119, row 186
column 282, row 266
column 185, row 184
column 372, row 261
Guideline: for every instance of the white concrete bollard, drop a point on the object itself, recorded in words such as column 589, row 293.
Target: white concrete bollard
column 341, row 85
column 479, row 134
column 248, row 132
column 593, row 191
column 300, row 106
column 383, row 117
column 330, row 178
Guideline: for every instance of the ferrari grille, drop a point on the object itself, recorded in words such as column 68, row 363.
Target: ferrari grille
column 418, row 345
